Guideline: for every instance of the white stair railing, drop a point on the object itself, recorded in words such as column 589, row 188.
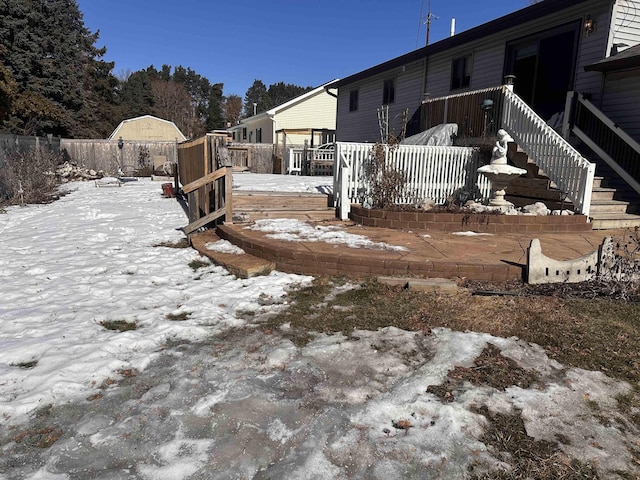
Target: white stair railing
column 562, row 163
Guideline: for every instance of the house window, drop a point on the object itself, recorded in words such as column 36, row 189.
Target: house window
column 244, row 133
column 389, row 91
column 258, row 135
column 461, row 72
column 353, row 100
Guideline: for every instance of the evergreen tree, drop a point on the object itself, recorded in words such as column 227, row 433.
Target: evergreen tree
column 281, row 92
column 53, row 60
column 256, row 94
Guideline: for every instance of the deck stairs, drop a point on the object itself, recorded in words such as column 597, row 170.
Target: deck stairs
column 249, row 206
column 613, row 203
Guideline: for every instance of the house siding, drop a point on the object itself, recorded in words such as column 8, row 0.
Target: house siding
column 362, row 125
column 317, row 111
column 488, row 57
column 621, row 101
column 626, row 25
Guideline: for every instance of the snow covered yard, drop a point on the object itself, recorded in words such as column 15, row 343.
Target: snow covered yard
column 199, row 390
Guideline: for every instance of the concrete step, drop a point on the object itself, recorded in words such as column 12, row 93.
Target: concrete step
column 608, row 206
column 601, row 193
column 607, row 221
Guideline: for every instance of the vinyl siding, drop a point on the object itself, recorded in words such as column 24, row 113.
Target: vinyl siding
column 362, row 125
column 318, row 111
column 487, row 71
column 621, row 101
column 626, row 23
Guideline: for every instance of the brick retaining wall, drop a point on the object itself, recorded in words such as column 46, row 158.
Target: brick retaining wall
column 293, row 257
column 477, row 222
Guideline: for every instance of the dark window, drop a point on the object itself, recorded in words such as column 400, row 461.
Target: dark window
column 353, row 100
column 258, row 135
column 389, row 91
column 244, row 133
column 461, row 72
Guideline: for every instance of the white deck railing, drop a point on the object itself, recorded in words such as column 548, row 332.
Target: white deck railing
column 433, row 173
column 296, row 157
column 562, row 163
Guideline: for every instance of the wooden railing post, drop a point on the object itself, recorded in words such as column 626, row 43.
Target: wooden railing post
column 228, row 197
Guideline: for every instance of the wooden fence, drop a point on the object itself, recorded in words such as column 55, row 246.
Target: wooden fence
column 477, row 113
column 107, row 156
column 10, row 143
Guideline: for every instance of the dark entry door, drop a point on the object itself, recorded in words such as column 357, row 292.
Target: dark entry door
column 544, row 65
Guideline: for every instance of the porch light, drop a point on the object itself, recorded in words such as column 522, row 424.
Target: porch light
column 589, row 25
column 509, row 79
column 120, row 143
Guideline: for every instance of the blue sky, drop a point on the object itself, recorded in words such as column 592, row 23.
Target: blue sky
column 302, row 42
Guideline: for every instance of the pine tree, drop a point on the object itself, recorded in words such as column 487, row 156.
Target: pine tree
column 57, row 69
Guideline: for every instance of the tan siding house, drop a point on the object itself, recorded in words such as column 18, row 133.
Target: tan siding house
column 293, row 121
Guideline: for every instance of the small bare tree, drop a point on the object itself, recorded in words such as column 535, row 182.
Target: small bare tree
column 386, row 184
column 28, row 177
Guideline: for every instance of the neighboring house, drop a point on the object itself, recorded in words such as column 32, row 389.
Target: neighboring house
column 148, row 128
column 310, row 117
column 551, row 47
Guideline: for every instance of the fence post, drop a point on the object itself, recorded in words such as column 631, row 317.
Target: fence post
column 568, row 114
column 228, row 197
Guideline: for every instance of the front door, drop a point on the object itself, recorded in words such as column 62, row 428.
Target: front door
column 544, row 65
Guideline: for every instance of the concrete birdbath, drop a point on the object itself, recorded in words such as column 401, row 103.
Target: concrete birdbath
column 499, row 173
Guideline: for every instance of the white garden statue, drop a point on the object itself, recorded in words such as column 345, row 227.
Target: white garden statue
column 499, row 173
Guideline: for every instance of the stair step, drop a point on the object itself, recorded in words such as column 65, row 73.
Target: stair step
column 249, row 201
column 242, row 265
column 608, row 221
column 306, row 215
column 608, row 206
column 601, row 193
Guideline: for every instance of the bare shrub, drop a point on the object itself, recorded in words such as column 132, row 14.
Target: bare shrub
column 28, row 177
column 386, row 184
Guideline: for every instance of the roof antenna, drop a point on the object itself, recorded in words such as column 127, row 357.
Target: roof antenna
column 428, row 22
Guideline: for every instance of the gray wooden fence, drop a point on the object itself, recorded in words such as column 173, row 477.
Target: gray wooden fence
column 107, row 156
column 10, row 143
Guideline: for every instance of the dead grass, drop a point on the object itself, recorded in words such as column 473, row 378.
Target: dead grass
column 182, row 243
column 575, row 327
column 119, row 325
column 178, row 317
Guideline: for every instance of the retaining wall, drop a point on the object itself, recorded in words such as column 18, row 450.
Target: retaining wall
column 477, row 222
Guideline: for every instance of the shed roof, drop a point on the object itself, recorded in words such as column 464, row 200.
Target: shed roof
column 179, row 135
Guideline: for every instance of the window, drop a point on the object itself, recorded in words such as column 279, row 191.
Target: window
column 258, row 135
column 244, row 133
column 353, row 100
column 389, row 91
column 461, row 72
